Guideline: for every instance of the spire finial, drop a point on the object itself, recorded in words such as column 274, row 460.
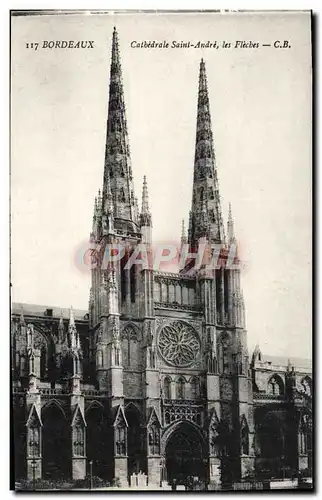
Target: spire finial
column 183, row 233
column 145, row 196
column 145, row 218
column 230, row 226
column 206, row 206
column 117, row 165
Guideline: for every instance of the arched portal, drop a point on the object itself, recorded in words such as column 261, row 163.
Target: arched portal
column 134, row 440
column 56, row 443
column 99, row 441
column 184, row 455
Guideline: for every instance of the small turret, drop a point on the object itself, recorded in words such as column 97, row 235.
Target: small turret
column 145, row 217
column 184, row 238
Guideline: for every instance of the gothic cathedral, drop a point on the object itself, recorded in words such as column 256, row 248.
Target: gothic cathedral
column 156, row 376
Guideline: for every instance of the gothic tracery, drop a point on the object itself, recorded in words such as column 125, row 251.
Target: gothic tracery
column 178, row 344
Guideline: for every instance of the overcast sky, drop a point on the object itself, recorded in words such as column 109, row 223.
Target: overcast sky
column 261, row 114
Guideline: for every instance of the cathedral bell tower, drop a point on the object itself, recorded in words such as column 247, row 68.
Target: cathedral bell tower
column 121, row 290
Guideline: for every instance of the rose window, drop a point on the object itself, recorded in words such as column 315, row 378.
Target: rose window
column 178, row 344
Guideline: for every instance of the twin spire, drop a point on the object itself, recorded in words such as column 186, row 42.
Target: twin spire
column 118, row 189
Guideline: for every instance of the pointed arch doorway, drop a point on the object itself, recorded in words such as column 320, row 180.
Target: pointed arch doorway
column 184, row 455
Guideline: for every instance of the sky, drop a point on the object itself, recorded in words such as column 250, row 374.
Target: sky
column 260, row 102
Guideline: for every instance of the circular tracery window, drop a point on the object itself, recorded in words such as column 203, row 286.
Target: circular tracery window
column 178, row 344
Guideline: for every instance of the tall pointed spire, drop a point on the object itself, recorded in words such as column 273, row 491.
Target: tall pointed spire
column 117, row 168
column 206, row 217
column 145, row 217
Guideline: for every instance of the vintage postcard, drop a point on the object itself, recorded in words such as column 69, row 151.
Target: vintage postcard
column 161, row 227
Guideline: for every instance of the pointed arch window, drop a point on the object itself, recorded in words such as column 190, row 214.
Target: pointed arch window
column 34, row 440
column 180, row 388
column 194, row 388
column 167, row 388
column 211, row 194
column 275, row 386
column 78, row 440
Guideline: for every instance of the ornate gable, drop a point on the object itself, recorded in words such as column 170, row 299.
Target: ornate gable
column 120, row 418
column 153, row 418
column 34, row 419
column 78, row 417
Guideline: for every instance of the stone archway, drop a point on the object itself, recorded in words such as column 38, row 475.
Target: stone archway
column 56, row 443
column 184, row 454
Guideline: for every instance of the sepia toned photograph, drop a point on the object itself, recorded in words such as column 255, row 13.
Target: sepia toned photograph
column 161, row 251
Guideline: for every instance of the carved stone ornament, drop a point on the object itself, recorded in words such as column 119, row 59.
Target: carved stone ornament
column 179, row 344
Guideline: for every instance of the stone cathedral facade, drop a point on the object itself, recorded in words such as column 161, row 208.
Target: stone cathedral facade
column 156, row 375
